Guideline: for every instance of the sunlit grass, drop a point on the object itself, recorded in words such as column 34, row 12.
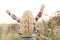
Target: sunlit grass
column 1, row 32
column 16, row 38
column 9, row 30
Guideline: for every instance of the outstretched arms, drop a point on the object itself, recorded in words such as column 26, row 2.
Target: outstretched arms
column 40, row 13
column 36, row 18
column 13, row 16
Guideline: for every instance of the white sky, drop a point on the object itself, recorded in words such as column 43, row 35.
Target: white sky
column 18, row 7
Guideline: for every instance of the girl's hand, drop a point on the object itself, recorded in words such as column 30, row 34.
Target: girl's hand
column 42, row 7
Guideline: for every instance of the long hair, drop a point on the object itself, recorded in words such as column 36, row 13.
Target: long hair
column 27, row 23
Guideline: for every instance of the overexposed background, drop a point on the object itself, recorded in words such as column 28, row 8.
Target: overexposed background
column 18, row 7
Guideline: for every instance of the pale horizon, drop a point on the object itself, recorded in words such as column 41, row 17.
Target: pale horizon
column 18, row 7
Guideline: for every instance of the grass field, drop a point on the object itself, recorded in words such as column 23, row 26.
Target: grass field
column 9, row 32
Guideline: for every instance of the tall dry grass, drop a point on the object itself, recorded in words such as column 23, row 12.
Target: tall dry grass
column 50, row 30
column 9, row 32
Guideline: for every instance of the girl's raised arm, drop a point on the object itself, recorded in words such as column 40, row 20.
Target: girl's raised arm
column 13, row 16
column 40, row 13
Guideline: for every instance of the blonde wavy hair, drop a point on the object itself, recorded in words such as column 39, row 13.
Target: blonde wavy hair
column 27, row 23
